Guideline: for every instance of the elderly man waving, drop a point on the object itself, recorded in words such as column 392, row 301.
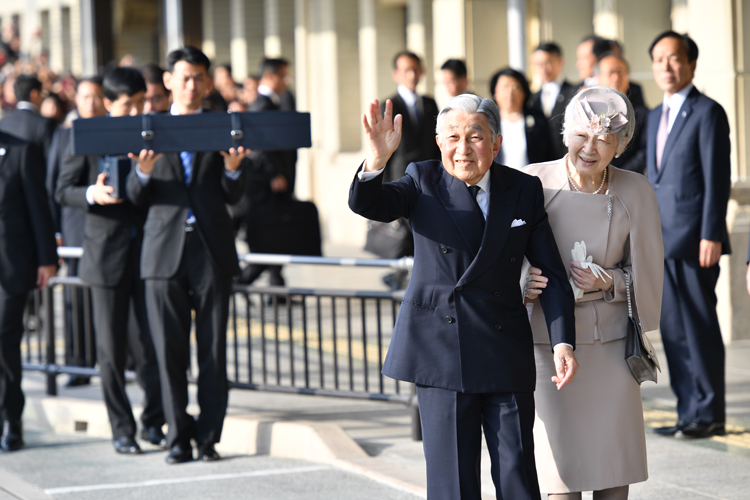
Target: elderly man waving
column 462, row 334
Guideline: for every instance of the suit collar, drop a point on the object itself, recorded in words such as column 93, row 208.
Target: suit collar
column 503, row 200
column 456, row 198
column 682, row 116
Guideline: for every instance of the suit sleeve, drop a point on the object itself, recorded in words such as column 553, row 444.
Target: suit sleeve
column 53, row 171
column 715, row 162
column 36, row 202
column 233, row 188
column 73, row 182
column 557, row 300
column 384, row 202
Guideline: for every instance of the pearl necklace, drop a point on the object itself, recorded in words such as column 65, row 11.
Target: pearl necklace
column 572, row 183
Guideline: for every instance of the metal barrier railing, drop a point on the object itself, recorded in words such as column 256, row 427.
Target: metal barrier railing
column 288, row 340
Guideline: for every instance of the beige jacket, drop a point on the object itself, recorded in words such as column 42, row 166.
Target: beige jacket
column 622, row 232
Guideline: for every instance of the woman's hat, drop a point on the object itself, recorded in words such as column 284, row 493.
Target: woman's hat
column 600, row 111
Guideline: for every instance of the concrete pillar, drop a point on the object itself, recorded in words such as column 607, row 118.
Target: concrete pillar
column 174, row 25
column 516, row 20
column 304, row 185
column 77, row 34
column 487, row 42
column 216, row 37
column 607, row 22
column 418, row 35
column 56, row 30
column 88, row 38
column 368, row 54
column 449, row 28
column 566, row 23
column 743, row 90
column 640, row 21
column 254, row 36
column 272, row 42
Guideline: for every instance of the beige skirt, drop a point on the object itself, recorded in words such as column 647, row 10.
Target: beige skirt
column 590, row 435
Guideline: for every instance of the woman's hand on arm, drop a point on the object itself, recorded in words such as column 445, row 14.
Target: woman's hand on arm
column 585, row 279
column 535, row 284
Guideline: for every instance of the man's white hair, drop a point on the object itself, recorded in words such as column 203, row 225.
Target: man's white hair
column 470, row 103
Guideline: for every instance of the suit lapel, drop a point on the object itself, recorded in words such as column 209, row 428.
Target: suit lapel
column 503, row 200
column 175, row 162
column 555, row 181
column 457, row 201
column 682, row 116
column 652, row 129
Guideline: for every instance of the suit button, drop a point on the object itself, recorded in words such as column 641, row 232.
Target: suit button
column 656, row 186
column 512, row 259
column 498, row 327
column 443, row 249
column 459, row 288
column 448, row 319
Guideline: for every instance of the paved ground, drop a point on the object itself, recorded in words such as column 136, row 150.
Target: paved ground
column 278, row 446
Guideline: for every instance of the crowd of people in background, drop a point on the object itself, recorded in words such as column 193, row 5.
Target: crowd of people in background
column 681, row 146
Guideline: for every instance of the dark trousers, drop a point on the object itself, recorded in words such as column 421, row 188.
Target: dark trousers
column 75, row 344
column 452, row 424
column 251, row 273
column 11, row 331
column 692, row 341
column 112, row 309
column 196, row 286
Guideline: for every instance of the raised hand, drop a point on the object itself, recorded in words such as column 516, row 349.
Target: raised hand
column 383, row 134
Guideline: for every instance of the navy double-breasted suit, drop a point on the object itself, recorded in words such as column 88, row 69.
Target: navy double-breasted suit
column 692, row 187
column 462, row 325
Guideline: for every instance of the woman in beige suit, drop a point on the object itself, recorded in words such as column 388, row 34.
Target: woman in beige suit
column 591, row 437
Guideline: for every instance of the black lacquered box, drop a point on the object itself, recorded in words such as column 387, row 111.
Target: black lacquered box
column 198, row 132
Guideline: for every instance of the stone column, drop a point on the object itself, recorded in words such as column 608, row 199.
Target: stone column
column 88, row 38
column 487, row 43
column 517, row 34
column 272, row 42
column 56, row 43
column 449, row 24
column 216, row 37
column 238, row 43
column 174, row 25
column 304, row 185
column 566, row 23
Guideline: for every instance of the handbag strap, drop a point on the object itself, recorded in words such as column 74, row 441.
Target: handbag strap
column 627, row 290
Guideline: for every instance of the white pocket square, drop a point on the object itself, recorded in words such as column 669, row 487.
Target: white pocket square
column 517, row 222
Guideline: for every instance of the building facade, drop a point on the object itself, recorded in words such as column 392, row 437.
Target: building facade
column 341, row 55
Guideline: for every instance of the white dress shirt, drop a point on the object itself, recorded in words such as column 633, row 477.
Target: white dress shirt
column 514, row 147
column 550, row 91
column 675, row 103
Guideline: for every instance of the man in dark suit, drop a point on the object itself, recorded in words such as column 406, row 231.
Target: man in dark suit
column 688, row 165
column 613, row 71
column 26, row 122
column 187, row 261
column 455, row 77
column 462, row 333
column 419, row 114
column 111, row 254
column 27, row 259
column 273, row 95
column 555, row 93
column 69, row 220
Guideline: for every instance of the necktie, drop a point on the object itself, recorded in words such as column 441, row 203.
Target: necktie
column 187, row 170
column 474, row 191
column 187, row 165
column 661, row 135
column 548, row 102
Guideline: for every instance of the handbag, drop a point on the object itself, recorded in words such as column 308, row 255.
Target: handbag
column 639, row 353
column 389, row 240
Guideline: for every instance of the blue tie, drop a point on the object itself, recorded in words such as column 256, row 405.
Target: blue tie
column 187, row 165
column 187, row 169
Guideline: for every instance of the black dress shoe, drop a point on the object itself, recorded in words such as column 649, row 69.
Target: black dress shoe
column 207, row 453
column 179, row 454
column 154, row 435
column 12, row 437
column 670, row 430
column 697, row 430
column 126, row 445
column 77, row 381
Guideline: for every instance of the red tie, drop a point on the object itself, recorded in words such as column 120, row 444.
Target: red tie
column 661, row 135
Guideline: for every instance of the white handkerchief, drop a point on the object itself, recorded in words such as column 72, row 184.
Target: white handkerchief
column 517, row 222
